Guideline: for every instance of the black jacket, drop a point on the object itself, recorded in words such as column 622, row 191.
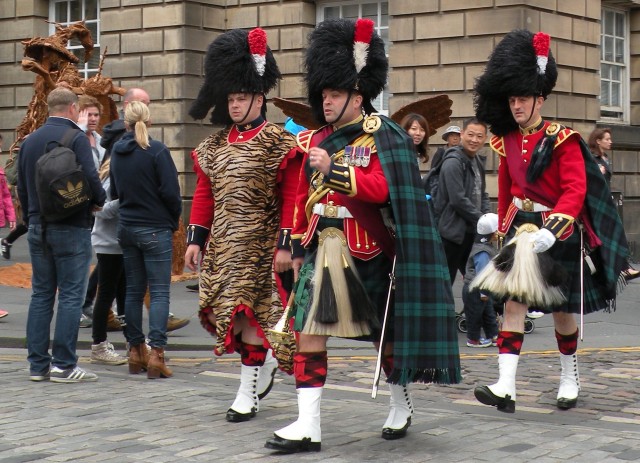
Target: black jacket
column 146, row 182
column 458, row 215
column 33, row 147
column 111, row 133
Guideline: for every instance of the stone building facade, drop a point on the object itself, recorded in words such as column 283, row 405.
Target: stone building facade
column 434, row 46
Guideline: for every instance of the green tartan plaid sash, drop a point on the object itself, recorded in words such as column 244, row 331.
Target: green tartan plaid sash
column 611, row 257
column 426, row 341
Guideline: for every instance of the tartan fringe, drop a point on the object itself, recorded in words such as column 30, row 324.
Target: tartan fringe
column 444, row 376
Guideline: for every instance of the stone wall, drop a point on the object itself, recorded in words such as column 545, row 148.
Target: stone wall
column 437, row 46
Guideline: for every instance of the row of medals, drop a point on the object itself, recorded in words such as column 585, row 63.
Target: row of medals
column 358, row 156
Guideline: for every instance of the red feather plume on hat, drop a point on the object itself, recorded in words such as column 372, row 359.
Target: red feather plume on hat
column 257, row 39
column 362, row 39
column 541, row 43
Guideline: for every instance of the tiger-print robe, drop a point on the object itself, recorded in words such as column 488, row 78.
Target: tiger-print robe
column 237, row 268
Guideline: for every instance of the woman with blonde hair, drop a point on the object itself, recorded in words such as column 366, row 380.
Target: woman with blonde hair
column 145, row 180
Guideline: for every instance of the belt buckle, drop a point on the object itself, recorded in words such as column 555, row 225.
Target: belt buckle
column 527, row 205
column 331, row 211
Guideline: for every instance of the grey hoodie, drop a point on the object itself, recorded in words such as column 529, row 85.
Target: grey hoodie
column 104, row 234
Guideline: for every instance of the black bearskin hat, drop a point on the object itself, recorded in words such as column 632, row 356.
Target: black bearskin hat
column 520, row 65
column 237, row 61
column 345, row 55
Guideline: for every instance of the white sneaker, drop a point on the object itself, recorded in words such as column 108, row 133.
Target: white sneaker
column 71, row 375
column 104, row 353
column 85, row 322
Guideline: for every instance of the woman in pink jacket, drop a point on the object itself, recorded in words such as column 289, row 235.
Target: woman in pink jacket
column 7, row 213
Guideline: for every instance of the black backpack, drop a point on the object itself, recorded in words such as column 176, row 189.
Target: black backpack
column 61, row 184
column 431, row 181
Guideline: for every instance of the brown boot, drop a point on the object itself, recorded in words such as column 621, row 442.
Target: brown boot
column 138, row 358
column 157, row 368
column 113, row 324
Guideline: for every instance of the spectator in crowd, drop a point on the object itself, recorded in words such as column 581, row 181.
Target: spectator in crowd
column 88, row 120
column 462, row 197
column 60, row 260
column 145, row 180
column 111, row 133
column 90, row 111
column 7, row 213
column 600, row 142
column 19, row 229
column 451, row 136
column 110, row 270
column 417, row 127
column 478, row 306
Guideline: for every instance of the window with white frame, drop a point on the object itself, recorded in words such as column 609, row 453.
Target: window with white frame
column 614, row 59
column 378, row 12
column 65, row 12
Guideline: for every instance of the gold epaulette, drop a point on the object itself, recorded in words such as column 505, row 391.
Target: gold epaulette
column 564, row 133
column 497, row 145
column 304, row 139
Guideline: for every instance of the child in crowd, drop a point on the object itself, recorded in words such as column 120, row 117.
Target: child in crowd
column 478, row 306
column 7, row 213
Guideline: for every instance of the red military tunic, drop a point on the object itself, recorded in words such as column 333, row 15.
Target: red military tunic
column 366, row 183
column 562, row 185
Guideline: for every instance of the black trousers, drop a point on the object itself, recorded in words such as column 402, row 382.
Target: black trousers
column 20, row 230
column 111, row 285
column 457, row 254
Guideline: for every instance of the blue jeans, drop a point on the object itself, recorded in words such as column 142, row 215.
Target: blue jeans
column 61, row 262
column 147, row 262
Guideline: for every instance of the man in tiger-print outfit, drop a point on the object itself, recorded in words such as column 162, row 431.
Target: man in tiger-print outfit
column 242, row 212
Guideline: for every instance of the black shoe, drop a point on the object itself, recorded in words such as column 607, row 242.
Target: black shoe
column 235, row 417
column 194, row 287
column 292, row 446
column 393, row 434
column 566, row 404
column 5, row 247
column 485, row 396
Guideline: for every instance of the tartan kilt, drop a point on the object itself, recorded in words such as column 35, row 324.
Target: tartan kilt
column 374, row 275
column 568, row 254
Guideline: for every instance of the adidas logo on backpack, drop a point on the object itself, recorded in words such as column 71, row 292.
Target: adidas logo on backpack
column 61, row 184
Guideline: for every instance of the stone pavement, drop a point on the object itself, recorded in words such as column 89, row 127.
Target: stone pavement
column 127, row 418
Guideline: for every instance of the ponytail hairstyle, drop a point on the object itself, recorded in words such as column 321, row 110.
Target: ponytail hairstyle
column 136, row 117
column 105, row 168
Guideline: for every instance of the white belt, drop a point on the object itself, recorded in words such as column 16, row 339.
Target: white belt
column 333, row 212
column 530, row 206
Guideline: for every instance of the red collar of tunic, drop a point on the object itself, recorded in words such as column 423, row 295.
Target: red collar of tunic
column 241, row 133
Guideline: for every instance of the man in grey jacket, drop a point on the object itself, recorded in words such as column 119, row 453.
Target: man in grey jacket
column 462, row 196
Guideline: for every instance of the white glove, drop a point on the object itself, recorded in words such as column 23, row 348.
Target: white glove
column 542, row 240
